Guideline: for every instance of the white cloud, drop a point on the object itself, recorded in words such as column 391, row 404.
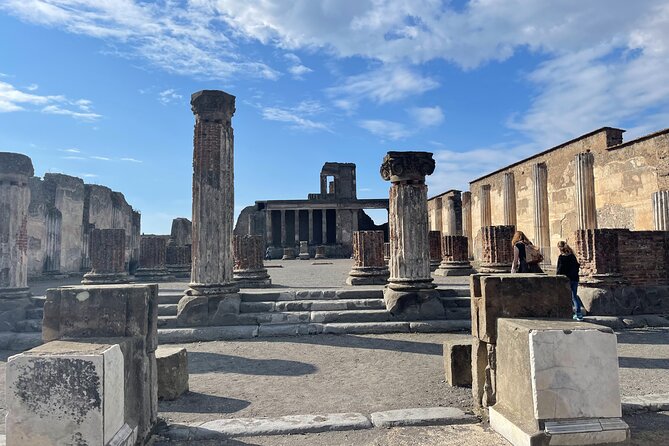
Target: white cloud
column 73, row 157
column 169, row 95
column 427, row 116
column 131, row 160
column 100, row 158
column 88, row 175
column 385, row 129
column 299, row 116
column 296, row 68
column 32, row 87
column 13, row 99
column 386, row 84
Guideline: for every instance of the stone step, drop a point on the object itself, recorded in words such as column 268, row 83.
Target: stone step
column 313, row 305
column 458, row 291
column 340, row 294
column 459, row 302
column 183, row 335
column 167, row 321
column 167, row 309
column 171, row 297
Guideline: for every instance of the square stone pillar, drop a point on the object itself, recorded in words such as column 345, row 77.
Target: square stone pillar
column 410, row 286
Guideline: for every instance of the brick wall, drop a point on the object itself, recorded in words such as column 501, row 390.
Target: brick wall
column 639, row 257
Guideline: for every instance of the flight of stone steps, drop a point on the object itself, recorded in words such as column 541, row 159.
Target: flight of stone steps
column 280, row 313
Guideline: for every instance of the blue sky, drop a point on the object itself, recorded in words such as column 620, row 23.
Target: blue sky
column 101, row 89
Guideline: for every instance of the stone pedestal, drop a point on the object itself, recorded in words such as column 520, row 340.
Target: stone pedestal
column 497, row 252
column 368, row 267
column 172, row 365
column 213, row 208
column 107, row 254
column 304, row 251
column 458, row 362
column 557, row 383
column 15, row 171
column 410, row 287
column 249, row 254
column 455, row 261
column 434, row 242
column 288, row 254
column 152, row 268
column 178, row 260
column 320, row 253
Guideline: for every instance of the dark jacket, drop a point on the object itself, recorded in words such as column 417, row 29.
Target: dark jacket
column 567, row 265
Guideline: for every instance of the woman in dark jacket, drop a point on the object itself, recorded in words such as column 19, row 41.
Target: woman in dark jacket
column 567, row 265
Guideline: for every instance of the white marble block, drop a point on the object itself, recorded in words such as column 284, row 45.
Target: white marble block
column 64, row 393
column 557, row 383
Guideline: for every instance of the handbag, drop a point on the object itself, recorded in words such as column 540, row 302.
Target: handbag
column 533, row 255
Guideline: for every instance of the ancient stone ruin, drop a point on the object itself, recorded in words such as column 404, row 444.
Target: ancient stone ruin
column 369, row 267
column 249, row 254
column 107, row 254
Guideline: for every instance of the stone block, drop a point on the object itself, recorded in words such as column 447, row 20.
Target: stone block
column 516, row 295
column 193, row 311
column 458, row 362
column 65, row 393
column 557, row 379
column 172, row 370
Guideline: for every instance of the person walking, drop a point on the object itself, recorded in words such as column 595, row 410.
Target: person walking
column 520, row 264
column 567, row 265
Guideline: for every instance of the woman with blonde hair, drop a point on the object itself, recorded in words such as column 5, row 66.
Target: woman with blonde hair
column 567, row 265
column 520, row 243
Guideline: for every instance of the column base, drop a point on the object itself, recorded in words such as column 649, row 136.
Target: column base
column 252, row 278
column 495, row 268
column 153, row 275
column 179, row 271
column 454, row 269
column 304, row 256
column 368, row 276
column 15, row 293
column 209, row 304
column 105, row 278
column 414, row 304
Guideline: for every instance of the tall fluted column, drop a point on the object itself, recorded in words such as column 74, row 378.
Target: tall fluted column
column 509, row 194
column 467, row 220
column 439, row 223
column 213, row 194
column 585, row 191
column 369, row 268
column 107, row 251
column 541, row 223
column 661, row 210
column 486, row 209
column 249, row 254
column 449, row 215
column 410, row 283
column 269, row 235
column 324, row 225
column 15, row 171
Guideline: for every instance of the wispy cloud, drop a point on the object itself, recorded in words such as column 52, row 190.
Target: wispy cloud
column 385, row 129
column 427, row 116
column 12, row 100
column 419, row 119
column 131, row 160
column 299, row 116
column 100, row 158
column 72, row 150
column 74, row 157
column 169, row 95
column 296, row 68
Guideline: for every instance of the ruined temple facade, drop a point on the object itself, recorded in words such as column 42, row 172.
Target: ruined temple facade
column 327, row 218
column 62, row 213
column 591, row 182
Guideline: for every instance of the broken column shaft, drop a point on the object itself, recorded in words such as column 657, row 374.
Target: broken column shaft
column 152, row 249
column 249, row 253
column 410, row 283
column 434, row 240
column 369, row 268
column 455, row 260
column 107, row 254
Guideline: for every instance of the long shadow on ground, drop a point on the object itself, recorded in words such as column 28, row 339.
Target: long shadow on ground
column 195, row 402
column 642, row 363
column 352, row 341
column 204, row 362
column 659, row 336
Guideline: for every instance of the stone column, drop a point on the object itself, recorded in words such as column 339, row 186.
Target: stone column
column 15, row 171
column 178, row 260
column 368, row 267
column 311, row 227
column 325, row 227
column 439, row 222
column 497, row 252
column 249, row 254
column 509, row 194
column 661, row 210
column 213, row 197
column 486, row 211
column 449, row 216
column 304, row 250
column 434, row 242
column 467, row 220
column 410, row 283
column 296, row 227
column 152, row 267
column 585, row 191
column 284, row 238
column 455, row 257
column 269, row 235
column 541, row 224
column 107, row 253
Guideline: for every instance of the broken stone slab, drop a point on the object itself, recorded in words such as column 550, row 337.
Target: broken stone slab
column 458, row 362
column 423, row 416
column 291, row 424
column 172, row 365
column 65, row 393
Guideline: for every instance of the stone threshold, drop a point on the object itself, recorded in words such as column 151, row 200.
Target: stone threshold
column 645, row 403
column 303, row 424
